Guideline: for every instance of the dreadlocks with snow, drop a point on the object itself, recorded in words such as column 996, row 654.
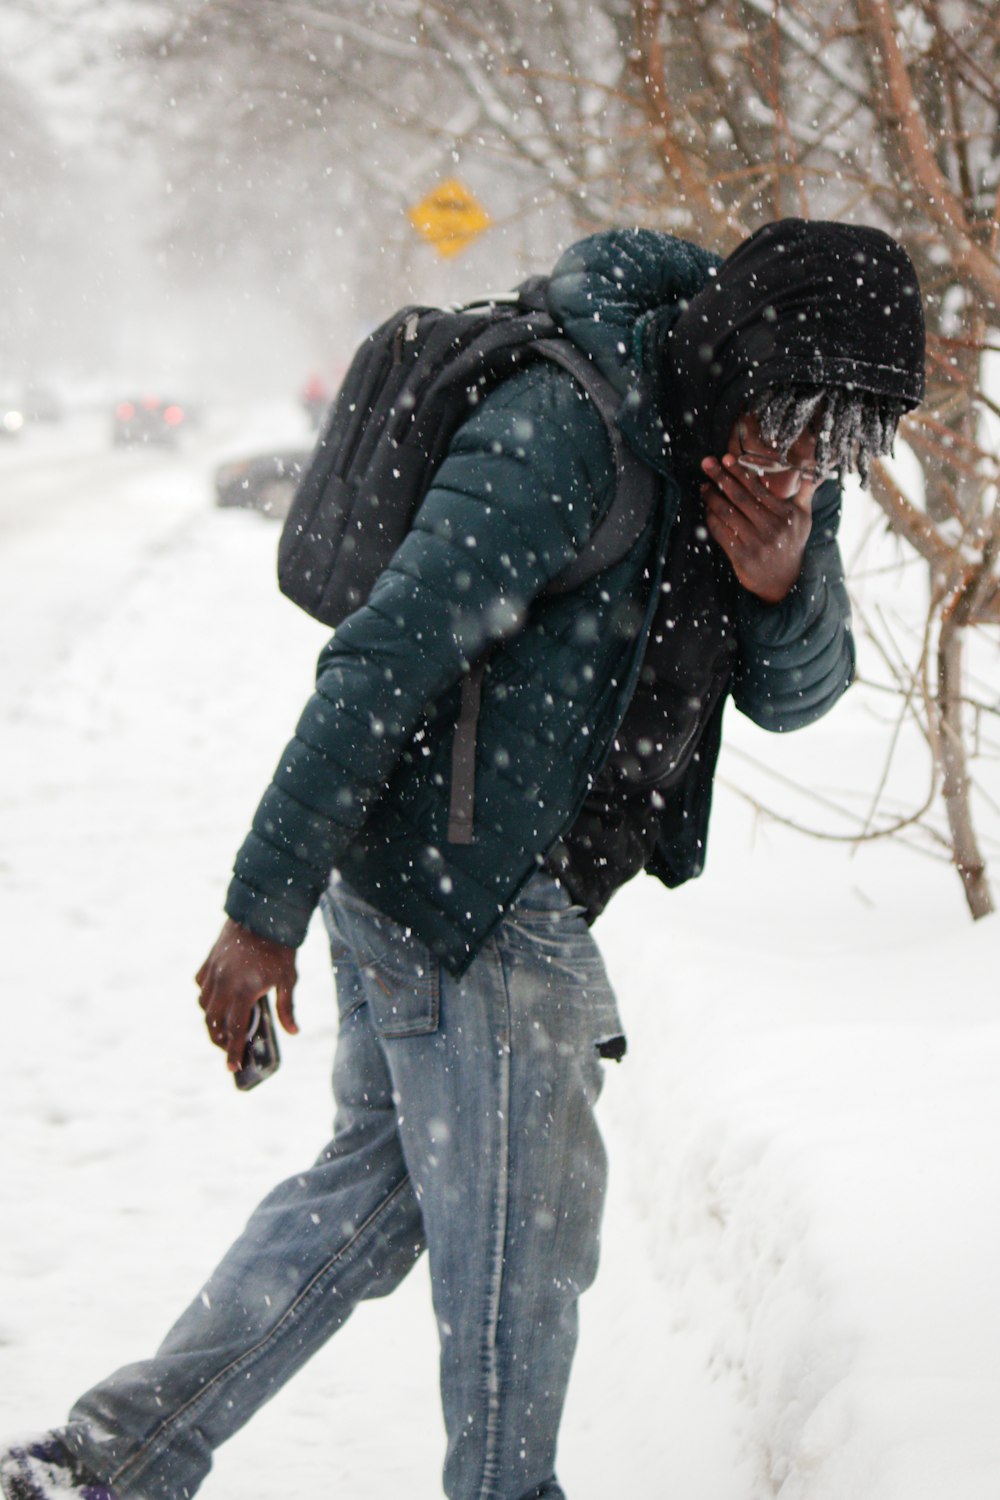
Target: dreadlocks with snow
column 852, row 427
column 807, row 324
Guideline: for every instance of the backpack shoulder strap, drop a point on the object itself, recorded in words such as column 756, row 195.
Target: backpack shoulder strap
column 636, row 490
column 636, row 485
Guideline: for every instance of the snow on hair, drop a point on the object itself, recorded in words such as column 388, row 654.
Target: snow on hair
column 853, row 428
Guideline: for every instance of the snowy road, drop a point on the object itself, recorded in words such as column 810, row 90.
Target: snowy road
column 79, row 519
column 797, row 1296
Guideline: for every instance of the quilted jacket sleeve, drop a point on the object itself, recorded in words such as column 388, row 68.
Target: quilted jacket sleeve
column 511, row 505
column 797, row 657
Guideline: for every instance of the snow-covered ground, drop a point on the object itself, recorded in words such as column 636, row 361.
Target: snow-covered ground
column 798, row 1293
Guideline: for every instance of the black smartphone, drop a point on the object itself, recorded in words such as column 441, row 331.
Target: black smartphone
column 260, row 1056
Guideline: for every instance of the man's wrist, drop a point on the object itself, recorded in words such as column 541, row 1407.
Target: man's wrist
column 775, row 595
column 281, row 922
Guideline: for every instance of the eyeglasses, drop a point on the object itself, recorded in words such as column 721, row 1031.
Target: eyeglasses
column 759, row 463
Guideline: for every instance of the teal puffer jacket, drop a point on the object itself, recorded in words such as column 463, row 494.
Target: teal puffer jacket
column 363, row 788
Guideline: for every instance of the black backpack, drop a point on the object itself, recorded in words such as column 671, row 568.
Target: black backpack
column 409, row 387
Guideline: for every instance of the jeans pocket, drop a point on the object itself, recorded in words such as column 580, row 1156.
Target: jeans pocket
column 401, row 979
column 547, row 938
column 545, row 916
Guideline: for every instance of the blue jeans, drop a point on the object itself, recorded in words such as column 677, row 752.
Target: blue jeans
column 464, row 1124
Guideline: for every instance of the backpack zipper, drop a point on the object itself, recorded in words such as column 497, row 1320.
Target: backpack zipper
column 405, row 334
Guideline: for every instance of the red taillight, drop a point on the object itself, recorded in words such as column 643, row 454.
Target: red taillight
column 125, row 411
column 173, row 416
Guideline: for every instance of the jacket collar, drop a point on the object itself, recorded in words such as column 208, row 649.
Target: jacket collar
column 606, row 293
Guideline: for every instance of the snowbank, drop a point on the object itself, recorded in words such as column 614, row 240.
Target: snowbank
column 814, row 1120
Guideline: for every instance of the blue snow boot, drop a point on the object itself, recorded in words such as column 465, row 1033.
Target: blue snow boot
column 46, row 1470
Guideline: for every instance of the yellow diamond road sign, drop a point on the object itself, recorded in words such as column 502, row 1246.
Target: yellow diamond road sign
column 450, row 217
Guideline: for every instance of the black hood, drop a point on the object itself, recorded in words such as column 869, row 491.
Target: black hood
column 798, row 303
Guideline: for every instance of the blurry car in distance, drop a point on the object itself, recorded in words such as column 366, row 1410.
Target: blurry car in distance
column 265, row 481
column 11, row 418
column 147, row 419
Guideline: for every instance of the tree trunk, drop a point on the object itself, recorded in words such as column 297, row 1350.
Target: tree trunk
column 950, row 751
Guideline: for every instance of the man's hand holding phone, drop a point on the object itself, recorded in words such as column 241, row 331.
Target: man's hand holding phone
column 261, row 1056
column 236, row 977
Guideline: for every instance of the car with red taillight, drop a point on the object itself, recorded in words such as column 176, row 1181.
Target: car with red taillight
column 147, row 419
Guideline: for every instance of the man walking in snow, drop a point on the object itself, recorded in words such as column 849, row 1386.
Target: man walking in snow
column 474, row 1007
